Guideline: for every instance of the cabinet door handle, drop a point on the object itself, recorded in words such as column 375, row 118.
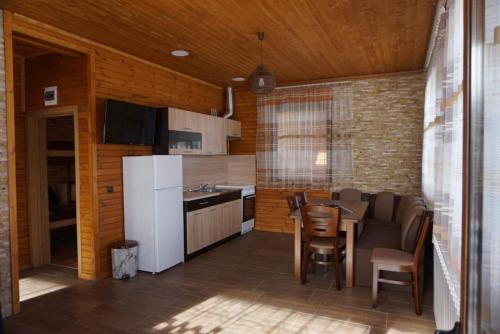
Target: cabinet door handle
column 187, row 129
column 203, row 203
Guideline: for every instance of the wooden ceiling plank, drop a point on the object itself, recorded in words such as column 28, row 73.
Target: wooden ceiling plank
column 306, row 40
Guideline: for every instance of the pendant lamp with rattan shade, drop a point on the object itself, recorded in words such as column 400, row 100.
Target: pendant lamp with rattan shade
column 261, row 81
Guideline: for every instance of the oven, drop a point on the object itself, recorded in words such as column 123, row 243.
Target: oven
column 248, row 208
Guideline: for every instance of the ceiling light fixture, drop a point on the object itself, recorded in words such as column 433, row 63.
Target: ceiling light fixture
column 239, row 79
column 179, row 53
column 261, row 81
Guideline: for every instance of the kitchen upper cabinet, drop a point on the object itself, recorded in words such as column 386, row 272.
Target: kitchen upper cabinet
column 232, row 128
column 214, row 132
column 214, row 139
column 182, row 120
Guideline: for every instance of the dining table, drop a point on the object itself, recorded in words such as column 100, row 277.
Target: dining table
column 352, row 214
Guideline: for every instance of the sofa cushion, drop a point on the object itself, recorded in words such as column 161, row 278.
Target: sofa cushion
column 379, row 222
column 380, row 236
column 350, row 195
column 384, row 206
column 410, row 227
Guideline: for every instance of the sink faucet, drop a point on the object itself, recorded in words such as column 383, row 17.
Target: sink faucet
column 204, row 186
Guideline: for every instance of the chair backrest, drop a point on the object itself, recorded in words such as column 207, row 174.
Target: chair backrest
column 384, row 205
column 293, row 204
column 425, row 226
column 410, row 227
column 350, row 195
column 301, row 197
column 404, row 203
column 320, row 221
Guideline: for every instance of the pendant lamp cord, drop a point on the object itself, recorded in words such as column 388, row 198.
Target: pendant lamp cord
column 260, row 35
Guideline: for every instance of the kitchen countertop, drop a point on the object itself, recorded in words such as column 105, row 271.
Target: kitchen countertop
column 194, row 195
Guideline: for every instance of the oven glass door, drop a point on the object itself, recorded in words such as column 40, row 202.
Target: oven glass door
column 248, row 207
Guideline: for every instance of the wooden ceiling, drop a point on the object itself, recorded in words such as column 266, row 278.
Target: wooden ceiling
column 305, row 39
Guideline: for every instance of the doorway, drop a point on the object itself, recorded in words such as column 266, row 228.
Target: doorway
column 61, row 182
column 51, row 160
column 47, row 164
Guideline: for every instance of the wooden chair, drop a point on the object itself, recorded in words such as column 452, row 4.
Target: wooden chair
column 293, row 203
column 321, row 236
column 396, row 260
column 301, row 197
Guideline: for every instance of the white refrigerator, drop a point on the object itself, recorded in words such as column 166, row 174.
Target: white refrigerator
column 153, row 209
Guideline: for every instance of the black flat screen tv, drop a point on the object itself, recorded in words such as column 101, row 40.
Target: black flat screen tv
column 128, row 123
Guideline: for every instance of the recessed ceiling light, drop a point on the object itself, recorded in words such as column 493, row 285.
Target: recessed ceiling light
column 179, row 53
column 239, row 79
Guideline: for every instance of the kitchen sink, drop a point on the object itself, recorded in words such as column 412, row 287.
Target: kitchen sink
column 212, row 190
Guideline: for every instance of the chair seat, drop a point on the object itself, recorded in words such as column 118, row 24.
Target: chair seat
column 328, row 243
column 391, row 257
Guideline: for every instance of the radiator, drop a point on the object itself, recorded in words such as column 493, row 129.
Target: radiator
column 446, row 302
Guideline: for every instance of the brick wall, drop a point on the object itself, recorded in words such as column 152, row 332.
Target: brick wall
column 388, row 126
column 5, row 278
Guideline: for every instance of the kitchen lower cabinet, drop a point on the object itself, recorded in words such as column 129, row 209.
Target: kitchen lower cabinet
column 209, row 225
column 231, row 217
column 195, row 231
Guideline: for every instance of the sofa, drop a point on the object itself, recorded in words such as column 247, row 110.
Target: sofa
column 391, row 221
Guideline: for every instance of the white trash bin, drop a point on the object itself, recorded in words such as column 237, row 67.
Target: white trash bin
column 124, row 259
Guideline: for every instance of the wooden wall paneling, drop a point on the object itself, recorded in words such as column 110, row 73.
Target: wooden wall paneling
column 245, row 111
column 127, row 79
column 92, row 166
column 71, row 76
column 21, row 184
column 11, row 155
column 38, row 205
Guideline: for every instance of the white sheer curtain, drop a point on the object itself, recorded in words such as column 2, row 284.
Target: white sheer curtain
column 304, row 137
column 443, row 146
column 491, row 173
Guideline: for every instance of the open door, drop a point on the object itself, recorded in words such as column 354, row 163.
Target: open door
column 38, row 205
column 38, row 184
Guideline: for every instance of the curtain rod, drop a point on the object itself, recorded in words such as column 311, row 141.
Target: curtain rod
column 440, row 10
column 316, row 84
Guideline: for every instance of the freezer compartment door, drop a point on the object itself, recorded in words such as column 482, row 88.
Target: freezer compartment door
column 169, row 228
column 167, row 171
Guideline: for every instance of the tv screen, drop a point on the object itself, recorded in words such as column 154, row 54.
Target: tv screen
column 128, row 123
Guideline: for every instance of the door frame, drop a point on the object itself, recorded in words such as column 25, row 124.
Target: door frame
column 36, row 170
column 14, row 23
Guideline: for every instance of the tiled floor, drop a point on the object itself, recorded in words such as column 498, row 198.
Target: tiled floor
column 45, row 280
column 245, row 286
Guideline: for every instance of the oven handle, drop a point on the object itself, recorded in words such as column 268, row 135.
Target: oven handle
column 249, row 196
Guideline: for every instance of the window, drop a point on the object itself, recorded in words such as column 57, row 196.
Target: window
column 304, row 137
column 443, row 143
